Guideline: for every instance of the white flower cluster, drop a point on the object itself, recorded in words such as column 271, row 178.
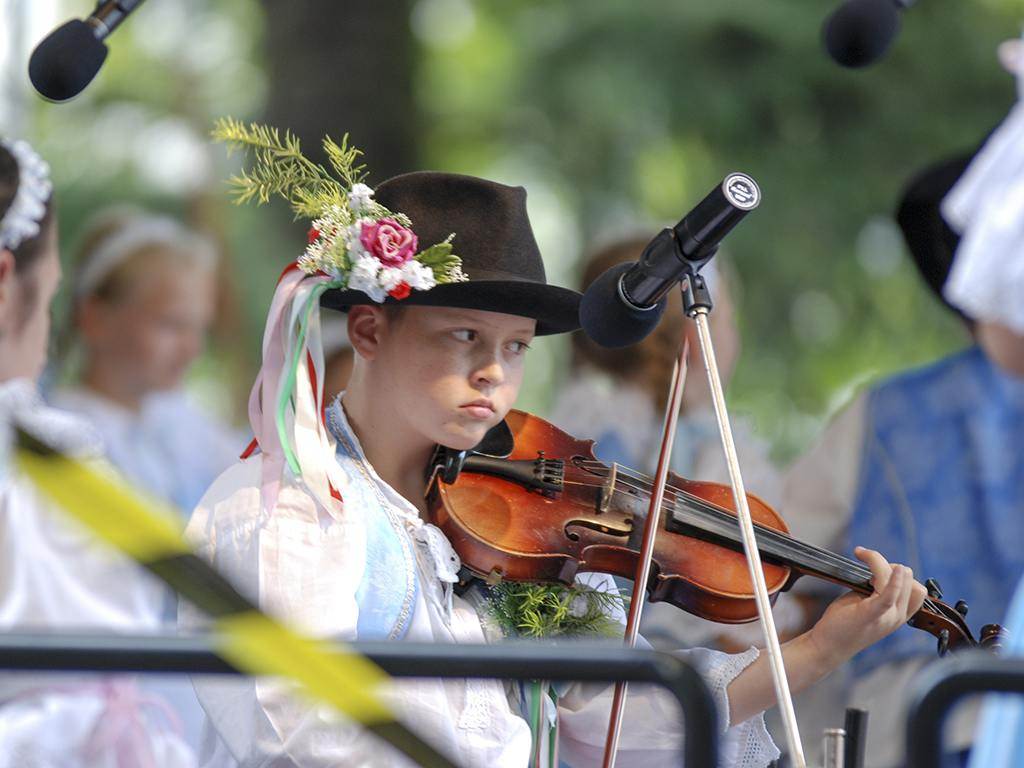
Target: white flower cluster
column 359, row 198
column 320, row 253
column 29, row 206
column 336, row 239
column 375, row 280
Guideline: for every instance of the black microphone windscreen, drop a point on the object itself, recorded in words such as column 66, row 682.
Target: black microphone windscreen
column 860, row 31
column 66, row 61
column 608, row 319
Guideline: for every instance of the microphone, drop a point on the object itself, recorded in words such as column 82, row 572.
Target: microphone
column 67, row 59
column 626, row 302
column 859, row 32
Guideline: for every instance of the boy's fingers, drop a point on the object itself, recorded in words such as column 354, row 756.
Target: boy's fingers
column 890, row 596
column 881, row 571
column 917, row 597
column 906, row 590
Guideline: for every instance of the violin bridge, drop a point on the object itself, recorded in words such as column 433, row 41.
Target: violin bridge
column 608, row 489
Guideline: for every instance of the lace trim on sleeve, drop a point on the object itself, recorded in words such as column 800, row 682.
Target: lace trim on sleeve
column 748, row 744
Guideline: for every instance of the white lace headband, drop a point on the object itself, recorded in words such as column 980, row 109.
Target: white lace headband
column 141, row 232
column 23, row 218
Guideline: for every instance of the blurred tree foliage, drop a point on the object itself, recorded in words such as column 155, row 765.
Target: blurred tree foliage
column 631, row 111
column 616, row 115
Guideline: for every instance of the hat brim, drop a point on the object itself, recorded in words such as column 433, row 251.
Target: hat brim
column 555, row 309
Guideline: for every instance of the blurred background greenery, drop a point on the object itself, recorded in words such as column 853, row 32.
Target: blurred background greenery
column 617, row 116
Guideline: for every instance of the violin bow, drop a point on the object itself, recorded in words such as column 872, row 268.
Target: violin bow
column 651, row 526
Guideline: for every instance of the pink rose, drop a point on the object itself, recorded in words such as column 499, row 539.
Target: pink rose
column 389, row 241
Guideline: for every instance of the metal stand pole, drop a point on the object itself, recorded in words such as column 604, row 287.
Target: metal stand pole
column 697, row 303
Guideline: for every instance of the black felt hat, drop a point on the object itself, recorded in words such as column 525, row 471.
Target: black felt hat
column 493, row 238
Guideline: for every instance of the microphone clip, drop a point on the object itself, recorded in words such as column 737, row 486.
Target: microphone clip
column 696, row 296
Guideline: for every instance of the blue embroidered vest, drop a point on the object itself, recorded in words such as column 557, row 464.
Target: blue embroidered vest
column 387, row 592
column 941, row 489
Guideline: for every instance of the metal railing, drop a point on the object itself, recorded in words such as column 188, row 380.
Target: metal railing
column 510, row 661
column 942, row 685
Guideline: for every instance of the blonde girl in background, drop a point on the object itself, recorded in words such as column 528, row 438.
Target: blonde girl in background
column 144, row 290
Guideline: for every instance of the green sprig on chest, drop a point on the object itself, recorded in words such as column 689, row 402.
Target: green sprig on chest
column 553, row 610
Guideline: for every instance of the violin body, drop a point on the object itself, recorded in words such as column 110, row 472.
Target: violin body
column 542, row 508
column 504, row 530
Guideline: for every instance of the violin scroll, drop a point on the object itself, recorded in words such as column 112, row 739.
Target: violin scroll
column 950, row 629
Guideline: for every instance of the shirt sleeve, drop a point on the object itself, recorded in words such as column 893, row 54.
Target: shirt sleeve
column 650, row 726
column 303, row 568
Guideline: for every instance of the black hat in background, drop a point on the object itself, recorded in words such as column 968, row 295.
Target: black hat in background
column 932, row 242
column 494, row 239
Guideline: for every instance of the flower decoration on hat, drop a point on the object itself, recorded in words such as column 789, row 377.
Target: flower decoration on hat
column 353, row 239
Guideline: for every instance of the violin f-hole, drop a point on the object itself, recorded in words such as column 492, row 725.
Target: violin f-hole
column 607, row 526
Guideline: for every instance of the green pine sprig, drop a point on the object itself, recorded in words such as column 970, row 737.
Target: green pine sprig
column 279, row 168
column 553, row 610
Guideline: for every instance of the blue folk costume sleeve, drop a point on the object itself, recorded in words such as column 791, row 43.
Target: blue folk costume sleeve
column 1000, row 739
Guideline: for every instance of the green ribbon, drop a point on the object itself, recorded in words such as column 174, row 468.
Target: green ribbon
column 538, row 689
column 288, row 390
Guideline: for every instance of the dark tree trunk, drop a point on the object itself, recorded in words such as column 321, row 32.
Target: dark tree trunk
column 344, row 66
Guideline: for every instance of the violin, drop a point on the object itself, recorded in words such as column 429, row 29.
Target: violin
column 532, row 503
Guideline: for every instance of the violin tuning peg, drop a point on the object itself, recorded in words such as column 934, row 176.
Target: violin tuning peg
column 934, row 590
column 992, row 636
column 943, row 642
column 961, row 608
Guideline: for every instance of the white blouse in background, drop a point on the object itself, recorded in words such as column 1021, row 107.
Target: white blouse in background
column 170, row 448
column 304, row 564
column 56, row 576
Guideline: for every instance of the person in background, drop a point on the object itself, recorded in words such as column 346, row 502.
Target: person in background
column 987, row 280
column 928, row 463
column 143, row 301
column 52, row 574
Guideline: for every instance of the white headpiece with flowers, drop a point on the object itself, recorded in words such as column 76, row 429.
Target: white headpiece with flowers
column 23, row 218
column 354, row 243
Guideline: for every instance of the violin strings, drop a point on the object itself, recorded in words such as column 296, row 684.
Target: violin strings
column 779, row 538
column 706, row 507
column 862, row 572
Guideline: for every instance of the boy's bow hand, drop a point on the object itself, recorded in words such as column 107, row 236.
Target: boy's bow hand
column 853, row 622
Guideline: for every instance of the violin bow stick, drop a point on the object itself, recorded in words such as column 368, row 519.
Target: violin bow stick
column 651, row 526
column 698, row 310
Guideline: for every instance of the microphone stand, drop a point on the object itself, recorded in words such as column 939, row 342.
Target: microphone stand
column 652, row 525
column 697, row 305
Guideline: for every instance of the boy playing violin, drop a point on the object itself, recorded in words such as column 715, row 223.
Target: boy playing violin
column 327, row 524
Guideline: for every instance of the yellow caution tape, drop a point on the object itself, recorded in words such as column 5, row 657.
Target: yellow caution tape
column 111, row 510
column 250, row 640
